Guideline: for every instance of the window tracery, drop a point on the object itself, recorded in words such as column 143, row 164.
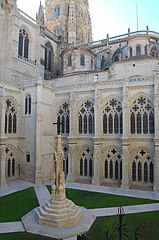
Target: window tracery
column 113, row 165
column 142, row 167
column 142, row 116
column 86, row 163
column 10, row 163
column 86, row 118
column 23, row 45
column 112, row 117
column 10, row 118
column 49, row 60
column 63, row 117
column 28, row 104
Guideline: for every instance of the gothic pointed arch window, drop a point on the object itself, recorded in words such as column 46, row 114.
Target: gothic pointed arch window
column 82, row 60
column 134, row 171
column 116, row 170
column 10, row 118
column 112, row 117
column 145, row 172
column 151, row 172
column 86, row 163
column 111, row 169
column 139, row 171
column 49, row 60
column 69, row 60
column 56, row 11
column 86, row 118
column 28, row 157
column 113, row 165
column 90, row 167
column 106, row 168
column 9, row 167
column 23, row 45
column 130, row 51
column 63, row 116
column 10, row 163
column 138, row 51
column 142, row 166
column 81, row 167
column 142, row 116
column 28, row 104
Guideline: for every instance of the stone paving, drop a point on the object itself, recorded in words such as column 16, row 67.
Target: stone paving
column 43, row 195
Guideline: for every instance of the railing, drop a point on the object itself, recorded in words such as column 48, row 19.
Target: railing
column 26, row 16
column 27, row 60
column 115, row 39
column 123, row 37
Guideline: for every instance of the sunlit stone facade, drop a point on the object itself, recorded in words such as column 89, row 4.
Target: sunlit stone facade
column 105, row 93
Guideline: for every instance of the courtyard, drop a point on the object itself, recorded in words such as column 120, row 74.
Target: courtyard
column 140, row 207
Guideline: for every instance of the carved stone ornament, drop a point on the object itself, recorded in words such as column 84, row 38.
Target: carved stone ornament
column 3, row 101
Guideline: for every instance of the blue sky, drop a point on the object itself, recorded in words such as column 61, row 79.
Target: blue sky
column 112, row 16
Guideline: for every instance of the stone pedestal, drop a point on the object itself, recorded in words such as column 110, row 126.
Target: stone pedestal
column 63, row 233
column 59, row 218
column 58, row 214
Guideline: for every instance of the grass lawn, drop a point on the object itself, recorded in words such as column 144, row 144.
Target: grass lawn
column 22, row 236
column 148, row 224
column 16, row 205
column 101, row 200
column 91, row 200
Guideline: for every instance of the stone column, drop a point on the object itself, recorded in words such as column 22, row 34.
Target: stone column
column 97, row 117
column 125, row 142
column 39, row 139
column 2, row 116
column 125, row 109
column 96, row 163
column 156, row 139
column 2, row 166
column 73, row 115
column 125, row 166
column 72, row 155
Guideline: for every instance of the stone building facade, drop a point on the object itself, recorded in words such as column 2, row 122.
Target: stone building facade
column 105, row 94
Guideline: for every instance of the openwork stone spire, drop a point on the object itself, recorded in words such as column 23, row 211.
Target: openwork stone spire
column 59, row 212
column 69, row 19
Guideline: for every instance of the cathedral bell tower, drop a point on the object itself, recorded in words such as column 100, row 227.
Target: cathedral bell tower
column 69, row 19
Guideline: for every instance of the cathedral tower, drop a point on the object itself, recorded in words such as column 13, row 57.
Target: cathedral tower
column 70, row 19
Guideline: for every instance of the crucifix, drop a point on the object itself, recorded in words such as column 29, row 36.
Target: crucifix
column 58, row 123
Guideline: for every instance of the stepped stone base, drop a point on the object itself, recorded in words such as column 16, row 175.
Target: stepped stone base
column 58, row 214
column 31, row 225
